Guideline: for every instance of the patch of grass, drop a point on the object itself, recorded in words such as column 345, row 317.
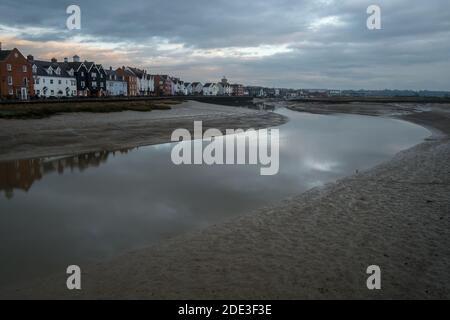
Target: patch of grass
column 43, row 110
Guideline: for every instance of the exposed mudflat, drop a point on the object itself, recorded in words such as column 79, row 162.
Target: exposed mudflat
column 315, row 245
column 75, row 133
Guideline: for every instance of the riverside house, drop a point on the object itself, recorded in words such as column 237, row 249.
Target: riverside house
column 115, row 84
column 81, row 75
column 197, row 88
column 90, row 77
column 164, row 85
column 16, row 79
column 131, row 79
column 225, row 88
column 52, row 79
column 210, row 89
column 145, row 81
column 188, row 88
column 96, row 79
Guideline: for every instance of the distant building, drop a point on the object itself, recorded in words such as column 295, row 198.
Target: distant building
column 237, row 90
column 334, row 93
column 255, row 91
column 225, row 88
column 115, row 84
column 16, row 79
column 90, row 77
column 178, row 87
column 197, row 88
column 210, row 89
column 163, row 85
column 145, row 81
column 80, row 72
column 53, row 79
column 131, row 79
column 188, row 88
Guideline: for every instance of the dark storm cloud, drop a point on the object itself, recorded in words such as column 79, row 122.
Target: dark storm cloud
column 324, row 43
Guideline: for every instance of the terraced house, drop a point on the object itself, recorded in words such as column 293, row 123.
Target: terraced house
column 131, row 79
column 96, row 79
column 115, row 84
column 52, row 79
column 145, row 81
column 16, row 80
column 81, row 75
column 90, row 77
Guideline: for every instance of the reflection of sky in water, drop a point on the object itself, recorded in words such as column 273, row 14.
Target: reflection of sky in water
column 135, row 199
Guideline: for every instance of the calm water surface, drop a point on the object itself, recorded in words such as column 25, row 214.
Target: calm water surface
column 58, row 212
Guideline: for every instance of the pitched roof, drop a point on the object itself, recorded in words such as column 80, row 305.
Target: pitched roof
column 4, row 54
column 75, row 65
column 42, row 67
column 138, row 72
column 111, row 73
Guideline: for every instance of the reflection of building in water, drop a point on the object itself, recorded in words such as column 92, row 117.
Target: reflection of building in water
column 21, row 174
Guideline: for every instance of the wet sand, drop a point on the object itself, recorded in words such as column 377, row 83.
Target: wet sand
column 75, row 133
column 313, row 246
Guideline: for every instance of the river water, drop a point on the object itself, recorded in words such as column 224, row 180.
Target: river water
column 74, row 210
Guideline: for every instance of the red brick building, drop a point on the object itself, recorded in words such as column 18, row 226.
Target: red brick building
column 16, row 78
column 238, row 90
column 131, row 79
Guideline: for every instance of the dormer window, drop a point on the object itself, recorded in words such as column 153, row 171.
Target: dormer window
column 34, row 69
column 58, row 71
column 50, row 70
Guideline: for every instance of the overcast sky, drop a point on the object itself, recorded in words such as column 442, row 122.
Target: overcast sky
column 282, row 43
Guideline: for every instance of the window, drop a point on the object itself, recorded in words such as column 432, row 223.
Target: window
column 74, row 92
column 11, row 92
column 83, row 84
column 34, row 69
column 43, row 80
column 24, row 68
column 82, row 74
column 25, row 81
column 9, row 67
column 10, row 80
column 94, row 84
column 38, row 92
column 37, row 81
column 59, row 82
column 52, row 92
column 73, row 82
column 51, row 81
column 93, row 75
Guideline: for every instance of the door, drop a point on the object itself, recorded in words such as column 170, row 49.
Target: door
column 24, row 94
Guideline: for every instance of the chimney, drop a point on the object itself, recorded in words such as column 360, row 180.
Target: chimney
column 54, row 60
column 76, row 58
column 30, row 58
column 0, row 46
column 66, row 60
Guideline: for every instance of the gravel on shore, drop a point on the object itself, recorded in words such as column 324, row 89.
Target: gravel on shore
column 314, row 246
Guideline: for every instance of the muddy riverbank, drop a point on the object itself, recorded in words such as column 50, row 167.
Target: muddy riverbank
column 315, row 245
column 75, row 133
